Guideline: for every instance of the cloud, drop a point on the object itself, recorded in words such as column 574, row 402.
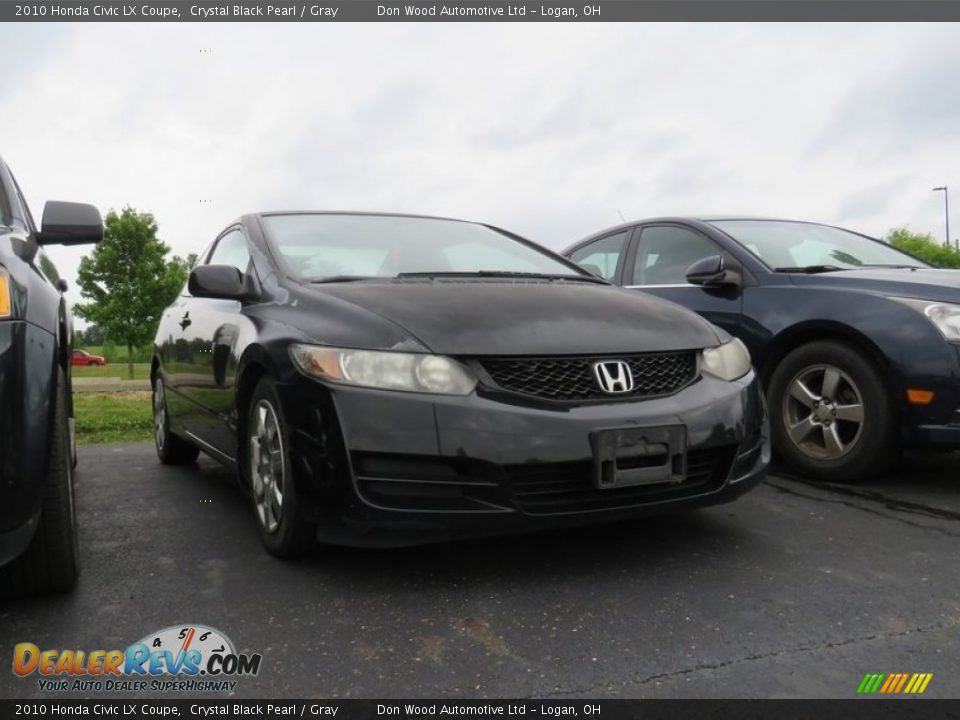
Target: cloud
column 905, row 105
column 549, row 130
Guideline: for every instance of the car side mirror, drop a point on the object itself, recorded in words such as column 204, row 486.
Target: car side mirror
column 70, row 223
column 224, row 282
column 710, row 272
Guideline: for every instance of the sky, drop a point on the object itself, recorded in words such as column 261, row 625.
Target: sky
column 553, row 131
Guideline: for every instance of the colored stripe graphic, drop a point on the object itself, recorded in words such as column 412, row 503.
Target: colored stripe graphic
column 894, row 683
column 903, row 680
column 870, row 683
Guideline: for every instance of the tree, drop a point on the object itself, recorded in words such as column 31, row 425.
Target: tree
column 93, row 335
column 925, row 247
column 129, row 280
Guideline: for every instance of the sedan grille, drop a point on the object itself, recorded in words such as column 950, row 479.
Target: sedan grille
column 573, row 379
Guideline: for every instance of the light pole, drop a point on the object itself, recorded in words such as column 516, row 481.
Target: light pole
column 946, row 211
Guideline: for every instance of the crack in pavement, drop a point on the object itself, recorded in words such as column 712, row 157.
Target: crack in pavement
column 862, row 508
column 894, row 504
column 742, row 660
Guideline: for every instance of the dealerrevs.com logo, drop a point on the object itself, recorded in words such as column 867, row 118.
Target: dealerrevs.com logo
column 180, row 658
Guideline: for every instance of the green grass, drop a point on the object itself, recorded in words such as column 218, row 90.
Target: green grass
column 141, row 371
column 113, row 417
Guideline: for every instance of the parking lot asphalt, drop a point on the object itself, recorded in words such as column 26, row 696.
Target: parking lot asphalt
column 795, row 590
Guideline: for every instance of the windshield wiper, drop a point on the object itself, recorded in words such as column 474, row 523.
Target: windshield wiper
column 342, row 278
column 809, row 269
column 504, row 274
column 893, row 267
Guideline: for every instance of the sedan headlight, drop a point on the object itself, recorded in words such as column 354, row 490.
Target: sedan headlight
column 409, row 372
column 727, row 362
column 944, row 316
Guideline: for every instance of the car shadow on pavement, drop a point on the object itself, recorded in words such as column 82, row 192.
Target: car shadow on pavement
column 636, row 546
column 143, row 522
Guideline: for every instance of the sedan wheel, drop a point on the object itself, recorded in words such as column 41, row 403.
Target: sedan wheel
column 832, row 414
column 823, row 412
column 267, row 467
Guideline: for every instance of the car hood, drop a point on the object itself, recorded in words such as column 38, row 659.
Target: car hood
column 473, row 318
column 924, row 283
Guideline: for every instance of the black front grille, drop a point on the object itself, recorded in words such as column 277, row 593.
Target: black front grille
column 552, row 488
column 573, row 379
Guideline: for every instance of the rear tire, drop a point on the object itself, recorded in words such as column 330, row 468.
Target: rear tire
column 171, row 449
column 50, row 563
column 831, row 413
column 268, row 473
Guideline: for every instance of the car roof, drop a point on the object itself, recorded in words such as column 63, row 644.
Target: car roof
column 265, row 213
column 706, row 218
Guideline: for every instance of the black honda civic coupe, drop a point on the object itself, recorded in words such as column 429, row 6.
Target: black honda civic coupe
column 857, row 343
column 390, row 379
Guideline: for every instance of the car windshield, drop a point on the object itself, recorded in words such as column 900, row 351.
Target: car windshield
column 796, row 246
column 334, row 246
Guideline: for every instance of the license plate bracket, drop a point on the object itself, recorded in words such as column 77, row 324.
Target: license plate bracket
column 626, row 457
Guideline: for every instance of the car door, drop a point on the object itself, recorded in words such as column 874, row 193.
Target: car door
column 205, row 352
column 657, row 261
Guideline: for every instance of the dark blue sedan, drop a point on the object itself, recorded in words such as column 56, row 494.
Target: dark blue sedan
column 856, row 342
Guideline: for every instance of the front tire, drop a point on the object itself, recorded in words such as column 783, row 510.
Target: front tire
column 268, row 473
column 171, row 449
column 832, row 415
column 50, row 563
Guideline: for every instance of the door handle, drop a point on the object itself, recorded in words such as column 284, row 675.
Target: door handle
column 185, row 321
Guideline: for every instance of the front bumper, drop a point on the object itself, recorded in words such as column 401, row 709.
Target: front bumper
column 936, row 369
column 388, row 468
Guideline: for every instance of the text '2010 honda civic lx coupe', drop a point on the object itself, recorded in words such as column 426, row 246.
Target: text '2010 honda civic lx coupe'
column 389, row 379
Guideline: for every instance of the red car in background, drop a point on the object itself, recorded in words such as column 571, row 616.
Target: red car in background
column 82, row 357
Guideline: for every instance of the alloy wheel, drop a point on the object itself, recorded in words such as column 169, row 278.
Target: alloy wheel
column 823, row 412
column 267, row 466
column 159, row 415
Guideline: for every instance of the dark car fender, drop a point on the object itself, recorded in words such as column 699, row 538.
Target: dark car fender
column 886, row 331
column 317, row 448
column 29, row 369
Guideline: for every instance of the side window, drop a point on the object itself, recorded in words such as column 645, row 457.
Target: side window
column 6, row 206
column 601, row 256
column 665, row 252
column 47, row 267
column 232, row 250
column 31, row 226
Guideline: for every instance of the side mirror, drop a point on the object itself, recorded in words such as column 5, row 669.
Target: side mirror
column 710, row 272
column 70, row 223
column 220, row 281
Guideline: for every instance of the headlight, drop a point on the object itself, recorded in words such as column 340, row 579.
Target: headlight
column 944, row 316
column 407, row 372
column 727, row 362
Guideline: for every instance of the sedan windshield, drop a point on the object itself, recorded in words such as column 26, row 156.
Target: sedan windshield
column 344, row 247
column 795, row 246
